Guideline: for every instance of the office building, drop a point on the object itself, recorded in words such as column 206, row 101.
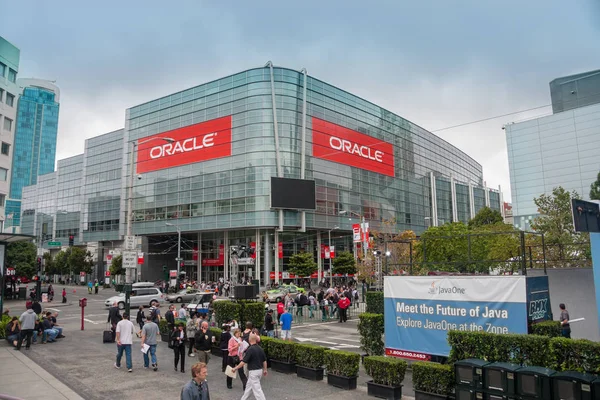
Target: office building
column 34, row 152
column 204, row 161
column 555, row 150
column 9, row 69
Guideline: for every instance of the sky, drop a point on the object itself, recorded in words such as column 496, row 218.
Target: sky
column 435, row 63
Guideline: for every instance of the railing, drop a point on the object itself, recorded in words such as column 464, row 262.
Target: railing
column 318, row 314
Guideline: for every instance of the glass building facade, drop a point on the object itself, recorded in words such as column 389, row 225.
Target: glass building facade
column 225, row 201
column 36, row 132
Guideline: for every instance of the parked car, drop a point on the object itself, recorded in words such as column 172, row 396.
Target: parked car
column 23, row 279
column 291, row 285
column 182, row 296
column 142, row 294
column 278, row 294
column 201, row 301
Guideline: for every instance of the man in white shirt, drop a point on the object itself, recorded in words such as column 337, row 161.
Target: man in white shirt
column 182, row 313
column 124, row 332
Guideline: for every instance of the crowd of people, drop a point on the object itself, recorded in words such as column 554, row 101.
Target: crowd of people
column 31, row 325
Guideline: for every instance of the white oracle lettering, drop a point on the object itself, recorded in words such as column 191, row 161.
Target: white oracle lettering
column 187, row 145
column 347, row 146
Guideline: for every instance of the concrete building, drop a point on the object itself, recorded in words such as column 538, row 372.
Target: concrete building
column 555, row 150
column 9, row 90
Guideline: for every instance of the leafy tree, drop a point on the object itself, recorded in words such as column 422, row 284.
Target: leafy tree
column 49, row 265
column 79, row 260
column 61, row 264
column 23, row 257
column 344, row 263
column 366, row 269
column 486, row 216
column 116, row 267
column 302, row 264
column 445, row 248
column 595, row 189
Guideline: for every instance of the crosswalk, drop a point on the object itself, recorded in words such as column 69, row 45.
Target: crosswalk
column 331, row 345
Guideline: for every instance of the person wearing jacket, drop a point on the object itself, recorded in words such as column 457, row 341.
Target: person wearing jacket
column 343, row 304
column 224, row 344
column 192, row 328
column 140, row 318
column 27, row 325
column 13, row 331
column 179, row 339
column 233, row 358
column 114, row 316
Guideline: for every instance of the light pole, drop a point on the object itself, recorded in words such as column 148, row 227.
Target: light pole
column 329, row 244
column 363, row 227
column 134, row 145
column 178, row 249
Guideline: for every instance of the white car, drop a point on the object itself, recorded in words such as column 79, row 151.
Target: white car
column 141, row 295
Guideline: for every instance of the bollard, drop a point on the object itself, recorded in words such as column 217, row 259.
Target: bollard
column 82, row 304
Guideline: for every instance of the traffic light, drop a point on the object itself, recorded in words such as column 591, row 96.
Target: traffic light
column 71, row 240
column 39, row 263
column 182, row 264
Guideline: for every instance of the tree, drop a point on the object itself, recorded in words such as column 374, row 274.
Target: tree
column 344, row 263
column 79, row 260
column 595, row 189
column 22, row 256
column 61, row 265
column 302, row 264
column 445, row 248
column 116, row 267
column 486, row 216
column 366, row 269
column 49, row 265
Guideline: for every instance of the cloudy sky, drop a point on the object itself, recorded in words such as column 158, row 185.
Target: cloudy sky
column 437, row 63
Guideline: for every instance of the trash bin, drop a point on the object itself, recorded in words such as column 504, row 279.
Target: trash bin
column 22, row 293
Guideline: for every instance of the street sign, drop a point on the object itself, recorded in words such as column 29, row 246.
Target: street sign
column 130, row 242
column 130, row 259
column 55, row 244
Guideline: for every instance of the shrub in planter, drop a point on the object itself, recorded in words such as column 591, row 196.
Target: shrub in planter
column 432, row 378
column 371, row 329
column 163, row 328
column 252, row 311
column 225, row 311
column 575, row 355
column 546, row 328
column 282, row 350
column 342, row 368
column 264, row 344
column 309, row 361
column 216, row 333
column 387, row 371
column 3, row 322
column 374, row 302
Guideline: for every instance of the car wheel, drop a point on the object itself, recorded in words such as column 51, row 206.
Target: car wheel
column 121, row 305
column 179, row 300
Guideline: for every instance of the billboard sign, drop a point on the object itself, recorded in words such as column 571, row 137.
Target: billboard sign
column 344, row 146
column 356, row 233
column 419, row 311
column 191, row 144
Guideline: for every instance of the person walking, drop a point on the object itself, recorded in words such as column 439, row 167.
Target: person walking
column 269, row 326
column 182, row 313
column 233, row 358
column 27, row 320
column 149, row 337
column 224, row 345
column 343, row 304
column 565, row 327
column 170, row 317
column 256, row 360
column 179, row 339
column 64, row 295
column 124, row 333
column 90, row 287
column 139, row 319
column 197, row 388
column 203, row 342
column 96, row 285
column 113, row 318
column 286, row 326
column 192, row 328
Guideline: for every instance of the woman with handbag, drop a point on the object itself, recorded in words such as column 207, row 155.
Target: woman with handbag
column 178, row 341
column 234, row 358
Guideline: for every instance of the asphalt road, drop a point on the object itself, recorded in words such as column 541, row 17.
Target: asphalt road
column 85, row 364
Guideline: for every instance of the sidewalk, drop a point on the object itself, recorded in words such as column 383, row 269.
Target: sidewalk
column 22, row 378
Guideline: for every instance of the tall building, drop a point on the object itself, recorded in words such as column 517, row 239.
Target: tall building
column 9, row 68
column 34, row 151
column 204, row 162
column 556, row 150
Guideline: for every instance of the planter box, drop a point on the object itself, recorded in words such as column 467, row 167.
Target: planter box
column 419, row 395
column 283, row 366
column 384, row 391
column 312, row 374
column 217, row 352
column 342, row 382
column 165, row 337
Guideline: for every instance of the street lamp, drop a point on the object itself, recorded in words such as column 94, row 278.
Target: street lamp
column 363, row 227
column 329, row 244
column 134, row 145
column 178, row 248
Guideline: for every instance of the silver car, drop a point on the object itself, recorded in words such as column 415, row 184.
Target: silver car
column 182, row 296
column 276, row 295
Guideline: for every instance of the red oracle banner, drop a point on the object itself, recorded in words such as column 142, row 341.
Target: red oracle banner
column 140, row 258
column 215, row 262
column 322, row 251
column 327, row 253
column 253, row 247
column 345, row 146
column 199, row 142
column 272, row 275
column 280, row 250
column 195, row 253
column 331, row 251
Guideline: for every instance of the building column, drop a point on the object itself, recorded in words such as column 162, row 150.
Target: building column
column 471, row 201
column 434, row 216
column 267, row 268
column 453, row 196
column 276, row 254
column 319, row 261
column 226, row 274
column 501, row 197
column 487, row 196
column 257, row 256
column 199, row 258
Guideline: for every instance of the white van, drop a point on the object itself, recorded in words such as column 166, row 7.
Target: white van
column 142, row 294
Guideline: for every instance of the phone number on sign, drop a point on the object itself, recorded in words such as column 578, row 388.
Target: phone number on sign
column 407, row 354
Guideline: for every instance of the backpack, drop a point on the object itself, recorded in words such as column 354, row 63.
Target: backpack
column 153, row 315
column 356, row 295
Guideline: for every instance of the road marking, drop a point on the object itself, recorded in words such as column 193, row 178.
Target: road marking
column 91, row 322
column 347, row 346
column 296, row 326
column 325, row 342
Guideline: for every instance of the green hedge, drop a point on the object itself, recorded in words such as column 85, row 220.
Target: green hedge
column 3, row 322
column 264, row 343
column 310, row 355
column 374, row 302
column 385, row 370
column 226, row 311
column 371, row 328
column 252, row 311
column 557, row 353
column 547, row 328
column 575, row 355
column 433, row 377
column 163, row 326
column 282, row 350
column 342, row 363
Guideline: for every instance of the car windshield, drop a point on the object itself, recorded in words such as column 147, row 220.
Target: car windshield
column 184, row 291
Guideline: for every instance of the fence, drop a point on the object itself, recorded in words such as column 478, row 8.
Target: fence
column 318, row 314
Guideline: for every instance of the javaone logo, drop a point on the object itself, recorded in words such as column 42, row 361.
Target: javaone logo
column 433, row 289
column 353, row 148
column 191, row 144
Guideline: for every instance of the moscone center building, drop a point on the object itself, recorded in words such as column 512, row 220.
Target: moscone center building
column 203, row 162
